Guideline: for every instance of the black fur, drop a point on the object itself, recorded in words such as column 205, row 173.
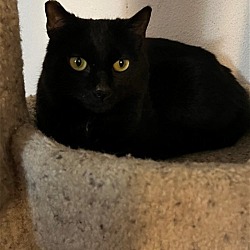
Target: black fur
column 173, row 98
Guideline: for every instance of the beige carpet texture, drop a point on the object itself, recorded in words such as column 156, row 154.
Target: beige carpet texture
column 54, row 197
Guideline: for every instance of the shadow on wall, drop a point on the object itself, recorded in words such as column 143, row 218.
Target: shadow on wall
column 177, row 20
column 245, row 59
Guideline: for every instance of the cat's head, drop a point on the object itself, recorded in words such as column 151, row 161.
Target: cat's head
column 99, row 63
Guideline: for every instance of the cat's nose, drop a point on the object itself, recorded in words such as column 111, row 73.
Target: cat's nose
column 101, row 94
column 102, row 91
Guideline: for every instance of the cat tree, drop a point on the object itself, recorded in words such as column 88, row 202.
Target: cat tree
column 80, row 199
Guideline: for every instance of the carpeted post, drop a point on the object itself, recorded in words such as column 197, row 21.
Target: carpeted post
column 13, row 111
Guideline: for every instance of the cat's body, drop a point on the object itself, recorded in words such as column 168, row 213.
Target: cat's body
column 171, row 99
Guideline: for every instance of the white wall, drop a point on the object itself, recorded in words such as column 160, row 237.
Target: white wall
column 221, row 26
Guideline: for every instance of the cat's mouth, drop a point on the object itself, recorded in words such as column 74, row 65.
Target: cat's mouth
column 97, row 103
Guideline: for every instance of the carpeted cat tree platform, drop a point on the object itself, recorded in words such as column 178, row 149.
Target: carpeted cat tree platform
column 53, row 197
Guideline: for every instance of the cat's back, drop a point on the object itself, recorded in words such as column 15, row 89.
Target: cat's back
column 190, row 89
column 160, row 49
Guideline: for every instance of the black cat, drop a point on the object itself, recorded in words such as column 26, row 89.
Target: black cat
column 106, row 87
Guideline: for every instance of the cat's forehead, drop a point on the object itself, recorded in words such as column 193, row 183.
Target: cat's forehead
column 102, row 29
column 104, row 36
column 99, row 25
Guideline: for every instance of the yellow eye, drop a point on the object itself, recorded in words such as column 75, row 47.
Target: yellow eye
column 78, row 63
column 121, row 65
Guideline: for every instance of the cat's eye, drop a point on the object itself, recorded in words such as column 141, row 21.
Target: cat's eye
column 121, row 65
column 77, row 63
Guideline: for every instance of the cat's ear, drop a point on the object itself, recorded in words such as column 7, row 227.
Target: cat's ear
column 140, row 20
column 57, row 16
